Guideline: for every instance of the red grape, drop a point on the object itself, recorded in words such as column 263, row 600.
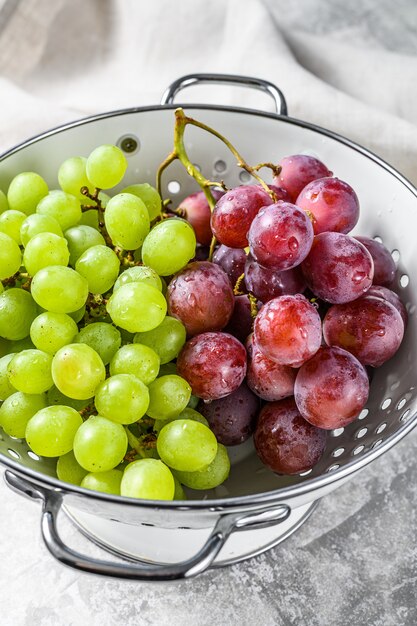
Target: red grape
column 266, row 284
column 240, row 324
column 338, row 268
column 390, row 296
column 284, row 441
column 231, row 260
column 214, row 364
column 234, row 212
column 297, row 171
column 331, row 388
column 288, row 330
column 280, row 236
column 233, row 418
column 197, row 212
column 269, row 380
column 201, row 297
column 333, row 204
column 370, row 328
column 384, row 266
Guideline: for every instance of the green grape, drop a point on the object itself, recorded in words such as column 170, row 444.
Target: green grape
column 89, row 218
column 54, row 396
column 148, row 479
column 68, row 470
column 72, row 177
column 64, row 207
column 179, row 491
column 149, row 196
column 186, row 445
column 100, row 267
column 59, row 289
column 26, row 191
column 139, row 274
column 209, row 477
column 77, row 315
column 44, row 250
column 169, row 246
column 17, row 312
column 52, row 331
column 169, row 396
column 187, row 413
column 35, row 224
column 30, row 371
column 100, row 444
column 10, row 256
column 127, row 221
column 106, row 166
column 10, row 224
column 80, row 238
column 137, row 307
column 107, row 482
column 16, row 411
column 22, row 344
column 122, row 398
column 77, row 370
column 51, row 431
column 6, row 387
column 138, row 360
column 167, row 339
column 4, row 205
column 104, row 338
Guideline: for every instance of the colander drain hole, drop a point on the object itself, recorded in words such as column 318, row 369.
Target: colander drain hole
column 220, row 166
column 338, row 452
column 13, row 453
column 358, row 450
column 174, row 187
column 386, row 403
column 361, row 433
column 395, row 255
column 404, row 280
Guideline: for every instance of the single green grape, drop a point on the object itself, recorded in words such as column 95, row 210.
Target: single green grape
column 44, row 250
column 122, row 398
column 52, row 331
column 51, row 431
column 35, row 224
column 72, row 177
column 30, row 371
column 169, row 396
column 137, row 307
column 149, row 479
column 16, row 411
column 59, row 289
column 138, row 360
column 26, row 191
column 107, row 482
column 80, row 238
column 54, row 396
column 69, row 470
column 127, row 221
column 64, row 207
column 187, row 413
column 209, row 477
column 104, row 338
column 179, row 491
column 100, row 267
column 186, row 445
column 100, row 444
column 139, row 274
column 6, row 387
column 106, row 166
column 4, row 205
column 169, row 246
column 10, row 224
column 17, row 312
column 10, row 256
column 166, row 340
column 149, row 196
column 77, row 370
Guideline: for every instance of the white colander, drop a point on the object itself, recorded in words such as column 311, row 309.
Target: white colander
column 162, row 540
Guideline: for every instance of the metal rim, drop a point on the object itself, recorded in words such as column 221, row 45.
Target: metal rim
column 309, row 485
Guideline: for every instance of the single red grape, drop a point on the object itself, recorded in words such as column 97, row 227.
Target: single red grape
column 331, row 388
column 231, row 260
column 338, row 268
column 384, row 266
column 214, row 364
column 269, row 380
column 297, row 171
column 197, row 212
column 266, row 284
column 333, row 204
column 284, row 441
column 201, row 297
column 288, row 330
column 390, row 296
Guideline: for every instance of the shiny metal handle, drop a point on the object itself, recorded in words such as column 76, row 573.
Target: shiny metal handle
column 225, row 525
column 230, row 79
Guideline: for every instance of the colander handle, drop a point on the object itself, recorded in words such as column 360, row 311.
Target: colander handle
column 226, row 524
column 230, row 79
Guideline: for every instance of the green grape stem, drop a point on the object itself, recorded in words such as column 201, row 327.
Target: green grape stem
column 100, row 210
column 253, row 305
column 142, row 443
column 237, row 288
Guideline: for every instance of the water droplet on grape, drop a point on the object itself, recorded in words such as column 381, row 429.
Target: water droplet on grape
column 358, row 277
column 293, row 244
column 303, row 333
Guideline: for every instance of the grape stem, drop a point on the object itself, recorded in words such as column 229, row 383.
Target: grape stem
column 141, row 444
column 237, row 288
column 100, row 210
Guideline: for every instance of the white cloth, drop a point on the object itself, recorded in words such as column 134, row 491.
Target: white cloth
column 64, row 59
